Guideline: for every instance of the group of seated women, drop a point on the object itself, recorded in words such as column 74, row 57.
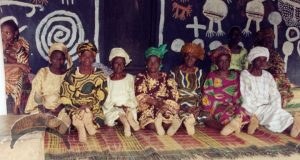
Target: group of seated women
column 86, row 98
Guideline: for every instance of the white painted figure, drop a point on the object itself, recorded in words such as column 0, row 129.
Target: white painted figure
column 255, row 12
column 287, row 50
column 275, row 19
column 215, row 11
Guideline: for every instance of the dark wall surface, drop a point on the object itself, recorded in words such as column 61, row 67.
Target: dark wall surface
column 137, row 24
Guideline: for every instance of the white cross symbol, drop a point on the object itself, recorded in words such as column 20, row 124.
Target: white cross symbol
column 196, row 26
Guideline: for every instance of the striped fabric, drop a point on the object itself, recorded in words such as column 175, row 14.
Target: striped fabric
column 109, row 143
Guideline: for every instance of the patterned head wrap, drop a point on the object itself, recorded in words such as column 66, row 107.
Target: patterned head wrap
column 194, row 50
column 221, row 50
column 82, row 47
column 258, row 52
column 119, row 52
column 61, row 47
column 159, row 52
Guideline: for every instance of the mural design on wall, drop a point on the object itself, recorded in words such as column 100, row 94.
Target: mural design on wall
column 292, row 31
column 275, row 19
column 215, row 11
column 255, row 12
column 298, row 48
column 67, row 2
column 20, row 4
column 59, row 26
column 251, row 15
column 23, row 4
column 290, row 11
column 42, row 2
column 287, row 50
column 181, row 11
column 199, row 41
column 214, row 45
column 21, row 28
column 161, row 22
column 178, row 43
column 292, row 34
column 196, row 26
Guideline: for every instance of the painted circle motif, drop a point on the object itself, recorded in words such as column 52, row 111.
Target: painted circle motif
column 288, row 35
column 59, row 26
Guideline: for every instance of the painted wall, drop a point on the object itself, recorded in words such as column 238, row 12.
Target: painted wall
column 130, row 24
column 208, row 21
column 138, row 24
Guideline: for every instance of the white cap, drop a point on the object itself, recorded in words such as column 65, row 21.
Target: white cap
column 258, row 52
column 119, row 52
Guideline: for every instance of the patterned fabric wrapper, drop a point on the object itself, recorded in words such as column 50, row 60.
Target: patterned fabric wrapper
column 164, row 88
column 222, row 98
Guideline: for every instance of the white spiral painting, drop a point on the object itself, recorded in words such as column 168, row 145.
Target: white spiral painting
column 59, row 26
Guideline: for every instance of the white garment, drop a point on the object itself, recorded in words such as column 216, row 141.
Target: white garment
column 45, row 90
column 120, row 92
column 262, row 98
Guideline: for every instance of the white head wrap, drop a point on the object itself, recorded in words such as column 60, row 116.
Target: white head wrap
column 61, row 47
column 119, row 52
column 258, row 52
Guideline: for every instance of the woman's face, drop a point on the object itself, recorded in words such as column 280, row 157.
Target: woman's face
column 223, row 62
column 87, row 58
column 235, row 36
column 57, row 59
column 118, row 64
column 260, row 63
column 8, row 34
column 189, row 61
column 153, row 63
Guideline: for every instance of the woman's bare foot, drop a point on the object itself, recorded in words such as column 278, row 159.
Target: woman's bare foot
column 233, row 126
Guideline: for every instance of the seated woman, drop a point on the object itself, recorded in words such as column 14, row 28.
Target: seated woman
column 45, row 94
column 265, row 37
column 46, row 83
column 239, row 53
column 15, row 49
column 120, row 103
column 157, row 95
column 84, row 91
column 261, row 97
column 189, row 79
column 221, row 95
